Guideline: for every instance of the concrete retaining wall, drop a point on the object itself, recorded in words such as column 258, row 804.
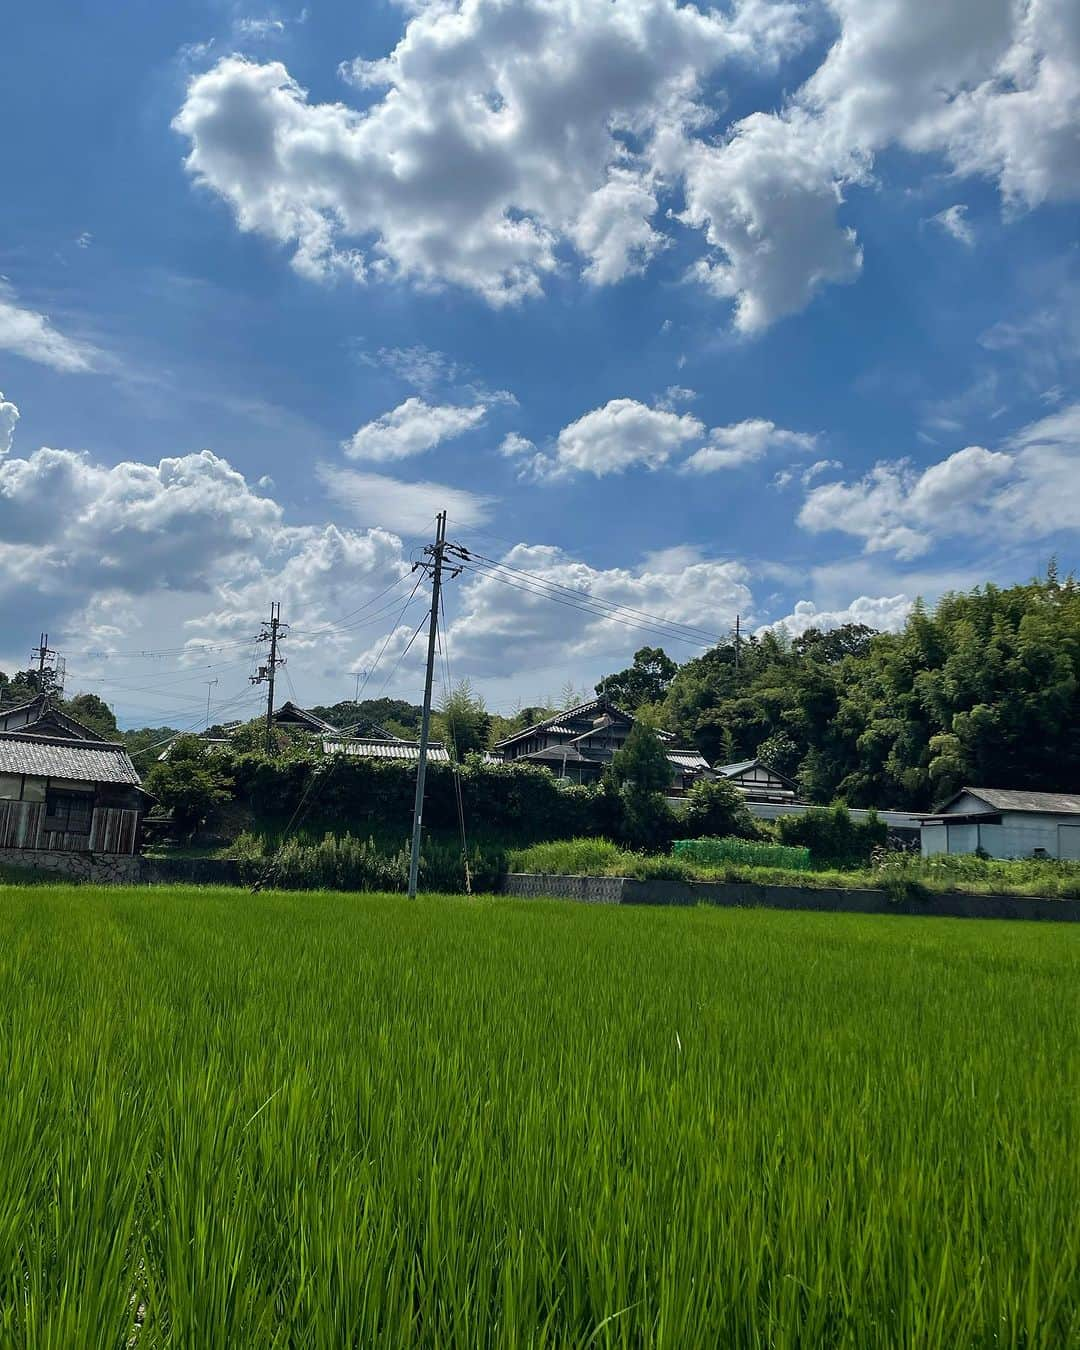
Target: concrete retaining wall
column 627, row 891
column 110, row 869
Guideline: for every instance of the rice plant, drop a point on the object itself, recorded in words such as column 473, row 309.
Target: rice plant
column 346, row 1120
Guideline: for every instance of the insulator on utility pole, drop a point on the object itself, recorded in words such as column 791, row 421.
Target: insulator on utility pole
column 272, row 632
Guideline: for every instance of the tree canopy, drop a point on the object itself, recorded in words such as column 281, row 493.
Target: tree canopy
column 984, row 689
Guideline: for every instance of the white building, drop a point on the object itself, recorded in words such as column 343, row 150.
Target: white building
column 1005, row 824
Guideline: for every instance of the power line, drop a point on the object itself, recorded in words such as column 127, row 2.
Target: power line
column 665, row 634
column 578, row 594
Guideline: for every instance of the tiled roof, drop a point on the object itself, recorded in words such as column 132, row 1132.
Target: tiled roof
column 559, row 723
column 733, row 770
column 49, row 757
column 1008, row 799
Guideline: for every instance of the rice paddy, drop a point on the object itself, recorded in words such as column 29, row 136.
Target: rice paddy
column 346, row 1120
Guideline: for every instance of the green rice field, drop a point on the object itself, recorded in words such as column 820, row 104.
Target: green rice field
column 325, row 1120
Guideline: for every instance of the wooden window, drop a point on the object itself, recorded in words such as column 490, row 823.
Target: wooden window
column 69, row 812
column 10, row 786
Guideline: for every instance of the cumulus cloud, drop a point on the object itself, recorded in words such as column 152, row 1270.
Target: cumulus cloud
column 131, row 525
column 410, row 429
column 496, row 136
column 30, row 335
column 886, row 613
column 743, row 442
column 391, row 503
column 1030, row 489
column 185, row 547
column 500, row 627
column 9, row 415
column 622, row 434
column 500, row 139
column 314, row 572
column 953, row 220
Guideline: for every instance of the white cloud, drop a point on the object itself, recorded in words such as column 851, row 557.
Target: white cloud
column 314, row 572
column 9, row 415
column 132, row 525
column 258, row 29
column 30, row 335
column 621, row 434
column 501, row 138
column 819, row 467
column 674, row 395
column 497, row 136
column 500, row 628
column 886, row 613
column 743, row 442
column 953, row 220
column 375, row 499
column 1031, row 489
column 84, row 240
column 410, row 429
column 514, row 444
column 417, row 365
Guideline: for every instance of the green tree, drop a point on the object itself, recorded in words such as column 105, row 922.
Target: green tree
column 646, row 681
column 191, row 782
column 641, row 765
column 716, row 809
column 463, row 721
column 92, row 712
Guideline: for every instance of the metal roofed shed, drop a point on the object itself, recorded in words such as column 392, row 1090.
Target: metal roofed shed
column 375, row 748
column 1005, row 823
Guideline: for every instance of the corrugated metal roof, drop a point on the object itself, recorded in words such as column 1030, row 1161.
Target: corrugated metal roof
column 1009, row 799
column 48, row 757
column 375, row 749
column 688, row 759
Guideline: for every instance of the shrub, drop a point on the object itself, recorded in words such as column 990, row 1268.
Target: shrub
column 567, row 857
column 715, row 808
column 832, row 836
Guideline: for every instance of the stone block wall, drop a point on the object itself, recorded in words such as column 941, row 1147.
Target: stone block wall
column 108, row 869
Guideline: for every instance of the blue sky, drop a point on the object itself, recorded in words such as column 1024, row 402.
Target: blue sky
column 764, row 308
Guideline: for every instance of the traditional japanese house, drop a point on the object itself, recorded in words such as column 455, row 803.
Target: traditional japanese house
column 579, row 743
column 757, row 781
column 67, row 794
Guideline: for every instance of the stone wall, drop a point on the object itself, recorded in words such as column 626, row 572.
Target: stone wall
column 109, row 869
column 627, row 891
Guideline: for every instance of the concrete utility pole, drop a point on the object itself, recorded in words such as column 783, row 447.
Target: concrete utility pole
column 738, row 636
column 50, row 667
column 272, row 632
column 436, row 553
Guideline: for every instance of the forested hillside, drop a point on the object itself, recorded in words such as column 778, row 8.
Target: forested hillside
column 983, row 689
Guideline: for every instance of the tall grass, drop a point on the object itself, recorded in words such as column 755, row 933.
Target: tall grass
column 324, row 1121
column 901, row 873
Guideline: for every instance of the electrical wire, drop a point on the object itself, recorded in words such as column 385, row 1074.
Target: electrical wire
column 598, row 613
column 699, row 636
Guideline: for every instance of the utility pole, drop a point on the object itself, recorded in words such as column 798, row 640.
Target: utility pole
column 738, row 635
column 435, row 553
column 209, row 686
column 50, row 667
column 271, row 632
